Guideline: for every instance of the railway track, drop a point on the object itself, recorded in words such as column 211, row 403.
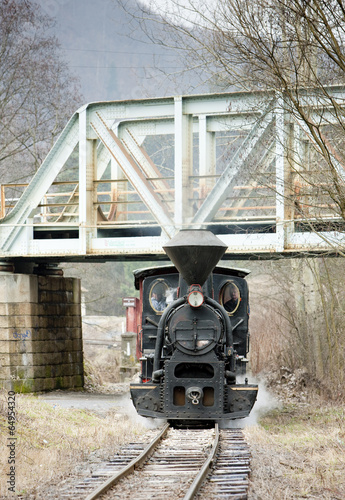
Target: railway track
column 229, row 476
column 177, row 463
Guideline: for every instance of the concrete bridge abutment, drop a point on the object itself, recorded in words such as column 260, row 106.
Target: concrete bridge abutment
column 40, row 332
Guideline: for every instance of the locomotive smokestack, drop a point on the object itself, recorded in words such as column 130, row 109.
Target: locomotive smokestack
column 195, row 253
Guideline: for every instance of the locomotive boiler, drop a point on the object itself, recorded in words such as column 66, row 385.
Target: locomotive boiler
column 194, row 336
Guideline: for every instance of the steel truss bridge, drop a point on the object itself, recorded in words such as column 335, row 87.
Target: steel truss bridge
column 125, row 176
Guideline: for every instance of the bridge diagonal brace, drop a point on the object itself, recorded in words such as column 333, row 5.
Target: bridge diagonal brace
column 147, row 165
column 216, row 197
column 103, row 159
column 133, row 173
column 40, row 183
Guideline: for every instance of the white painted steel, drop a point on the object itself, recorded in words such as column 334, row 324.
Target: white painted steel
column 220, row 191
column 280, row 174
column 12, row 225
column 183, row 163
column 112, row 137
column 127, row 164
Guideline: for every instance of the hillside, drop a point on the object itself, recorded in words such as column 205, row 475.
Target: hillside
column 111, row 60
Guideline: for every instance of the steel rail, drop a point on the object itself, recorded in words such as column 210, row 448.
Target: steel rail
column 135, row 463
column 199, row 479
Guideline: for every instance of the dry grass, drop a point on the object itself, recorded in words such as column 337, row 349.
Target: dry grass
column 51, row 440
column 106, row 363
column 299, row 452
column 103, row 360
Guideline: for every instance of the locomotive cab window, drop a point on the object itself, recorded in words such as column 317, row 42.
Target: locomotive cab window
column 230, row 297
column 160, row 295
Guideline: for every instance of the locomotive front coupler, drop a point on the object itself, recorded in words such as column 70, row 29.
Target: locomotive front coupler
column 194, row 394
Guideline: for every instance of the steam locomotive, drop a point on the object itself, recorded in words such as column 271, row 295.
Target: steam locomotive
column 194, row 336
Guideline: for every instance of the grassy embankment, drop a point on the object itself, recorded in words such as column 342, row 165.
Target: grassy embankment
column 299, row 452
column 52, row 440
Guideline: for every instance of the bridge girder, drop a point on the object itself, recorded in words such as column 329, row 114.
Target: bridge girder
column 147, row 168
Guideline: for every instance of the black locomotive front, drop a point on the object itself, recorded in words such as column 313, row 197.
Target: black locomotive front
column 193, row 347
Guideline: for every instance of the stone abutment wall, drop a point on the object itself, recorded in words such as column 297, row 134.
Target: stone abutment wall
column 40, row 333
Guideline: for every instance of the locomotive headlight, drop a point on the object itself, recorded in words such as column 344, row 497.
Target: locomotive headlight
column 195, row 296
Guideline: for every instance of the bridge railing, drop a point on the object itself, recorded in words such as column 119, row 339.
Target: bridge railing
column 13, row 192
column 48, row 211
column 118, row 206
column 118, row 203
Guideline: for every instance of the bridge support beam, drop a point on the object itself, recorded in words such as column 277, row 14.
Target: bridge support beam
column 40, row 332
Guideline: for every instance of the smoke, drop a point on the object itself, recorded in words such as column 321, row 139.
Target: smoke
column 127, row 408
column 265, row 402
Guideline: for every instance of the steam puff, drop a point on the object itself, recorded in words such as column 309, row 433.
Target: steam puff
column 266, row 401
column 129, row 410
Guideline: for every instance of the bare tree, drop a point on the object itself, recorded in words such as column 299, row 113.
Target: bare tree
column 295, row 48
column 37, row 92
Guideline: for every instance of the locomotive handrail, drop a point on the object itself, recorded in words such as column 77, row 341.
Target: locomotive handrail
column 228, row 327
column 160, row 332
column 149, row 320
column 238, row 324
